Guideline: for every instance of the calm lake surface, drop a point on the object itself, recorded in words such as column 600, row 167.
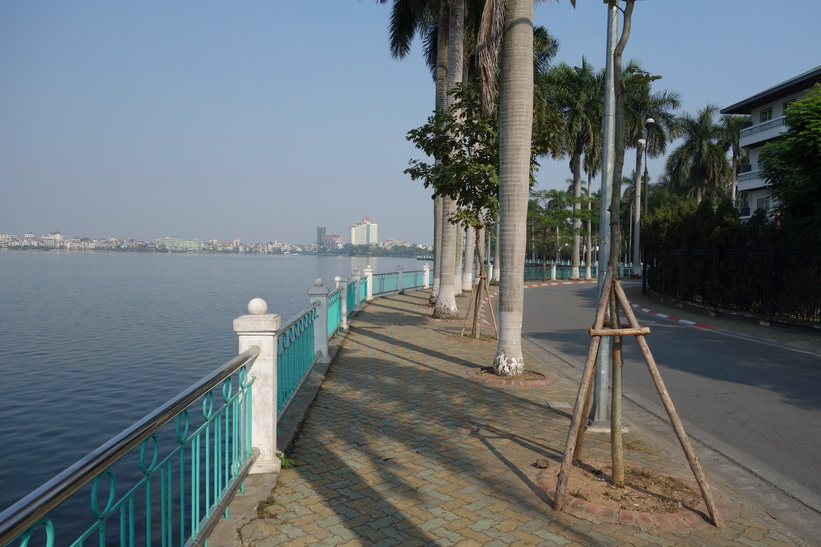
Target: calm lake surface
column 92, row 342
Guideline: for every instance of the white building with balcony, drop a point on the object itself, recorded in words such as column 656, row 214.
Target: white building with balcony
column 365, row 232
column 766, row 110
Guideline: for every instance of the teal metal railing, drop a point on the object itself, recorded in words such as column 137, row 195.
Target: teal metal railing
column 412, row 281
column 155, row 484
column 151, row 485
column 385, row 284
column 351, row 298
column 363, row 289
column 334, row 312
column 536, row 273
column 296, row 357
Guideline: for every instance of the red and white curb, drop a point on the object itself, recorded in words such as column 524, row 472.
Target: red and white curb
column 642, row 309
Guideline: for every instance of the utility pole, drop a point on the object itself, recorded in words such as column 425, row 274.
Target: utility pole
column 604, row 364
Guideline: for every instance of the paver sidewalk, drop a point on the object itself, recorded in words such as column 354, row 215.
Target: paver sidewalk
column 403, row 447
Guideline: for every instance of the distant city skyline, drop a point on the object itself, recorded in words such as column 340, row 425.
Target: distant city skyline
column 145, row 119
column 365, row 228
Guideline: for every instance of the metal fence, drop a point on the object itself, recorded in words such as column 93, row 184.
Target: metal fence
column 150, row 485
column 296, row 355
column 772, row 282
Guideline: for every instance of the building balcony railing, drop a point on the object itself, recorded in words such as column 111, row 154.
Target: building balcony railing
column 761, row 132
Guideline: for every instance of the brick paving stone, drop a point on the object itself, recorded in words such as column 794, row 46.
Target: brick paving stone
column 401, row 448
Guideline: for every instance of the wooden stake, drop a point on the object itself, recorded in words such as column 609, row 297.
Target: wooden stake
column 581, row 409
column 692, row 459
column 576, row 423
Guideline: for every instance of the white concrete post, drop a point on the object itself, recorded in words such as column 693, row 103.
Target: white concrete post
column 319, row 293
column 260, row 329
column 553, row 272
column 399, row 277
column 357, row 299
column 369, row 276
column 426, row 275
column 342, row 281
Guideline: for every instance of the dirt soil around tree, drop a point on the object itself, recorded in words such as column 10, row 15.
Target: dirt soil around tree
column 645, row 490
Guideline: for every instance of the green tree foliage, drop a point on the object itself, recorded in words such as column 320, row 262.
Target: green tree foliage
column 466, row 141
column 699, row 164
column 792, row 166
column 676, row 222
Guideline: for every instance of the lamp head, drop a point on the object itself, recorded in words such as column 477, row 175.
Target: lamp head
column 649, row 122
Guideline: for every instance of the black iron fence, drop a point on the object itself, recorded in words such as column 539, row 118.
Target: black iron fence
column 775, row 282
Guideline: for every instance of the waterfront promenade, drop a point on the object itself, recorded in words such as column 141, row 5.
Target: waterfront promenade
column 405, row 446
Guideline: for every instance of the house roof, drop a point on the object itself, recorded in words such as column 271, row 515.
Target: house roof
column 793, row 85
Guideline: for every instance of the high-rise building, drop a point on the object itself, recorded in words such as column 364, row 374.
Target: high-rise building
column 320, row 237
column 364, row 233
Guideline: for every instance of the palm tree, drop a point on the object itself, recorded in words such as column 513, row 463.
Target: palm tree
column 648, row 120
column 515, row 139
column 700, row 159
column 576, row 93
column 730, row 139
column 429, row 19
column 450, row 283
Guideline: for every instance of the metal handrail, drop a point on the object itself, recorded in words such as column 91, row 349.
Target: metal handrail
column 299, row 385
column 30, row 509
column 296, row 318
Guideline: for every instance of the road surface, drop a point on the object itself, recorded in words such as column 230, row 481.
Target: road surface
column 757, row 397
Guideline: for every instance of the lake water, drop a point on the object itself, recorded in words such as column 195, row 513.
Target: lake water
column 91, row 342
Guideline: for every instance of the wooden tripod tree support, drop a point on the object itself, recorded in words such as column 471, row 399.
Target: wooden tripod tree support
column 577, row 423
column 480, row 288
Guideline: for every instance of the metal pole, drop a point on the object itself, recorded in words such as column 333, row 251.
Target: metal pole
column 636, row 223
column 604, row 364
column 647, row 125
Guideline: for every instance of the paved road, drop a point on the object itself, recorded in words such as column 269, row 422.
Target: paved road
column 752, row 395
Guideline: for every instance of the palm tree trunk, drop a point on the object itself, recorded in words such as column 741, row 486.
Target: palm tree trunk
column 576, row 166
column 588, row 252
column 637, row 214
column 515, row 135
column 460, row 244
column 441, row 104
column 437, row 248
column 470, row 260
column 445, row 307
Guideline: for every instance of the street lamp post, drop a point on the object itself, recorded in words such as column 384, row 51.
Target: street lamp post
column 635, row 212
column 648, row 124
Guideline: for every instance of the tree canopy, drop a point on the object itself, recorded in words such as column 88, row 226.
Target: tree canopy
column 792, row 166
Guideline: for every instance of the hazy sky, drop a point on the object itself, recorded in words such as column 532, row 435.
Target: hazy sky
column 263, row 119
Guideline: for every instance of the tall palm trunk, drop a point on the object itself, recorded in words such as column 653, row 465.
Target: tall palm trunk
column 470, row 259
column 515, row 135
column 449, row 284
column 636, row 258
column 441, row 104
column 576, row 166
column 460, row 247
column 588, row 251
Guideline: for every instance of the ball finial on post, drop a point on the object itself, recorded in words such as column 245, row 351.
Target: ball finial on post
column 257, row 306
